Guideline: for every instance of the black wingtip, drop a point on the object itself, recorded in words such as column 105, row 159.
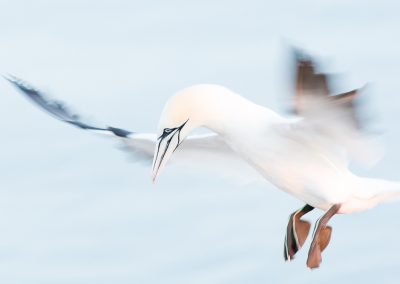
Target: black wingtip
column 12, row 79
column 6, row 77
column 119, row 132
column 20, row 84
column 57, row 109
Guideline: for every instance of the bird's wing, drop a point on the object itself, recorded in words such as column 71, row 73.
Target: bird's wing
column 210, row 153
column 207, row 152
column 58, row 109
column 313, row 97
column 333, row 118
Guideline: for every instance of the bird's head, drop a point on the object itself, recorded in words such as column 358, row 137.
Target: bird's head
column 177, row 120
column 209, row 106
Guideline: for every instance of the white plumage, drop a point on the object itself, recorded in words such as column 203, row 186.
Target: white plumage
column 306, row 155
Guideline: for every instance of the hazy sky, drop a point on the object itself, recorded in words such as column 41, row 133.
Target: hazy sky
column 73, row 210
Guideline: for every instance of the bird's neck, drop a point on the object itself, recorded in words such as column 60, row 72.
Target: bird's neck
column 227, row 114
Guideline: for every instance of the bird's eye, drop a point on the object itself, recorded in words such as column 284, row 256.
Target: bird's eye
column 167, row 130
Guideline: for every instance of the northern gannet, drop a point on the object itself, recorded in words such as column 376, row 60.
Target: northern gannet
column 306, row 155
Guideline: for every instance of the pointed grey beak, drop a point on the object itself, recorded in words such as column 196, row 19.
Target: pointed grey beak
column 164, row 149
column 167, row 143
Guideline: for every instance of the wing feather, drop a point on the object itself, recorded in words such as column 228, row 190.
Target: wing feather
column 205, row 152
column 58, row 109
column 332, row 120
column 314, row 95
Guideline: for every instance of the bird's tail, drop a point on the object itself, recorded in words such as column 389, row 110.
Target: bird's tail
column 378, row 191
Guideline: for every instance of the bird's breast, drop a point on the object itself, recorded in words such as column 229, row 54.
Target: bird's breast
column 291, row 166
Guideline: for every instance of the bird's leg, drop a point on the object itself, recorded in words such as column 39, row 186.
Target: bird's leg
column 296, row 232
column 321, row 237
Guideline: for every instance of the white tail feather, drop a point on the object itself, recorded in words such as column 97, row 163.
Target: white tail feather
column 371, row 193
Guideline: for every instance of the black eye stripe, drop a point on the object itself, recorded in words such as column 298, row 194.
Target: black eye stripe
column 166, row 132
column 169, row 130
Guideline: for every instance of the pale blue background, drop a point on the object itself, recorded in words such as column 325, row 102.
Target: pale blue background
column 73, row 210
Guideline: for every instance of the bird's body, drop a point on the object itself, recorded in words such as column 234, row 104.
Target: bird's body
column 303, row 166
column 306, row 155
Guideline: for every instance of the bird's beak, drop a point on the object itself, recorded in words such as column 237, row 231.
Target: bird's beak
column 166, row 145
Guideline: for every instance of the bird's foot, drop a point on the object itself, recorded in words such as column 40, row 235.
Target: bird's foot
column 318, row 245
column 296, row 235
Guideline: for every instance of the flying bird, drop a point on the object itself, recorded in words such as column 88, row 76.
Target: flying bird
column 305, row 154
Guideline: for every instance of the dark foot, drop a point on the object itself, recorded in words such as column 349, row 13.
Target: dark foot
column 317, row 247
column 301, row 230
column 321, row 238
column 314, row 256
column 324, row 237
column 296, row 233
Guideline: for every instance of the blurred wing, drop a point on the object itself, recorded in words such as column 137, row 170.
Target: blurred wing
column 209, row 153
column 58, row 110
column 203, row 152
column 331, row 118
column 313, row 96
